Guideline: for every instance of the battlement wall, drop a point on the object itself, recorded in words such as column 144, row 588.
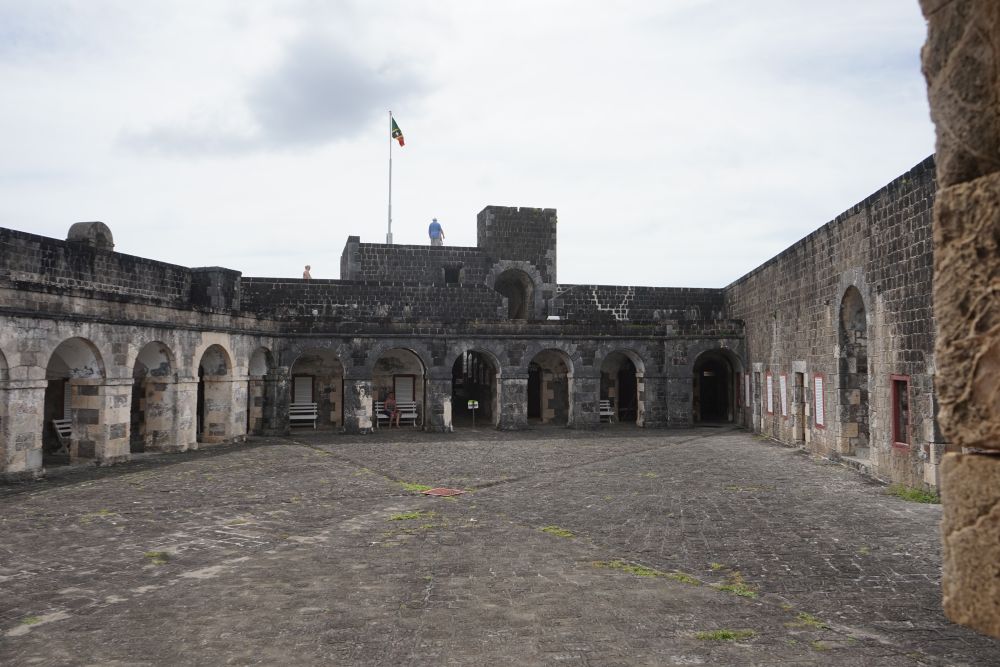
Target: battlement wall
column 607, row 303
column 412, row 263
column 345, row 300
column 38, row 263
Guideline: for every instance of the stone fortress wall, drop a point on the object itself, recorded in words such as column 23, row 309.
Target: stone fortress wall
column 141, row 355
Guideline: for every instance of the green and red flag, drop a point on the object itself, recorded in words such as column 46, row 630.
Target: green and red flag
column 397, row 133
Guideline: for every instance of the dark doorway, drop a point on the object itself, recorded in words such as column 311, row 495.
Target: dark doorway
column 473, row 378
column 519, row 289
column 713, row 388
column 853, row 363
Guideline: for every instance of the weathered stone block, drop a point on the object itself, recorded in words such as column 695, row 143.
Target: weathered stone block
column 970, row 492
column 967, row 309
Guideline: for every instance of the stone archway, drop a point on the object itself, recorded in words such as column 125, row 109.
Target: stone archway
column 401, row 371
column 475, row 376
column 153, row 405
column 519, row 290
column 714, row 387
column 853, row 413
column 215, row 395
column 317, row 376
column 74, row 375
column 622, row 374
column 550, row 388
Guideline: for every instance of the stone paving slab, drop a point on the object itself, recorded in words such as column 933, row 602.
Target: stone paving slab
column 613, row 547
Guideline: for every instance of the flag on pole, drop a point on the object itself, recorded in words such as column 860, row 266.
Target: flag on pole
column 397, row 133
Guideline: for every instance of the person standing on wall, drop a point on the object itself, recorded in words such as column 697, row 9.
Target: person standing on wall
column 305, row 274
column 436, row 233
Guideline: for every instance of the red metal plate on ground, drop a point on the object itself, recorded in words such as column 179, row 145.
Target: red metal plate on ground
column 441, row 491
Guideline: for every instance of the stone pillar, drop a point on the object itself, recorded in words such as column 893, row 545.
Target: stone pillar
column 22, row 427
column 186, row 406
column 679, row 390
column 238, row 406
column 277, row 396
column 962, row 64
column 160, row 414
column 255, row 404
column 586, row 394
column 437, row 399
column 655, row 401
column 117, row 394
column 221, row 416
column 513, row 402
column 358, row 398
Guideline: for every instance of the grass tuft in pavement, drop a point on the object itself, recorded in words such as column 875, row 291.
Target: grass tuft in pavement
column 409, row 516
column 407, row 486
column 726, row 635
column 557, row 531
column 913, row 495
column 157, row 557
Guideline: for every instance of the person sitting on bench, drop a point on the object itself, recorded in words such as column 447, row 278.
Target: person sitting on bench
column 392, row 409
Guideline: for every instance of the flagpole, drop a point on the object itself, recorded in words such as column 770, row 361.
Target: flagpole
column 388, row 236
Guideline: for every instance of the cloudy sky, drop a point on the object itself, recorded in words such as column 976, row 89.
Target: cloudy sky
column 683, row 142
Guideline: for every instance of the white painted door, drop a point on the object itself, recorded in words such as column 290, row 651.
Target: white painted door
column 403, row 386
column 303, row 392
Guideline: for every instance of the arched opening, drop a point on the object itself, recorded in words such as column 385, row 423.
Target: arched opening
column 318, row 377
column 151, row 415
column 400, row 371
column 261, row 362
column 714, row 389
column 853, row 366
column 621, row 385
column 74, row 374
column 215, row 395
column 474, row 377
column 550, row 388
column 519, row 289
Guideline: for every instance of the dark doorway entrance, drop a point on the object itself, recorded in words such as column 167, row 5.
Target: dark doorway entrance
column 713, row 388
column 473, row 378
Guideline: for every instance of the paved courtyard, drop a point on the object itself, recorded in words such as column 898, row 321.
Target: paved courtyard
column 617, row 547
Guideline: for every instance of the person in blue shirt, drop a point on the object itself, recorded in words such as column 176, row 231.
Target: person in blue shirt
column 436, row 233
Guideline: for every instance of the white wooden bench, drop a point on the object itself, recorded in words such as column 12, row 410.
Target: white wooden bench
column 64, row 431
column 407, row 412
column 606, row 410
column 301, row 413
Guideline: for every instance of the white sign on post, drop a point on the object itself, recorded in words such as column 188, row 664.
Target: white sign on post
column 770, row 394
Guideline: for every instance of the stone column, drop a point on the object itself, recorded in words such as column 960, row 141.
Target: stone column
column 679, row 390
column 437, row 399
column 655, row 401
column 358, row 397
column 962, row 64
column 117, row 395
column 161, row 414
column 22, row 426
column 238, row 406
column 586, row 394
column 277, row 396
column 513, row 402
column 186, row 406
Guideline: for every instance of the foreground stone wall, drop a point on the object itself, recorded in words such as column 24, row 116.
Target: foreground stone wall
column 873, row 263
column 962, row 64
